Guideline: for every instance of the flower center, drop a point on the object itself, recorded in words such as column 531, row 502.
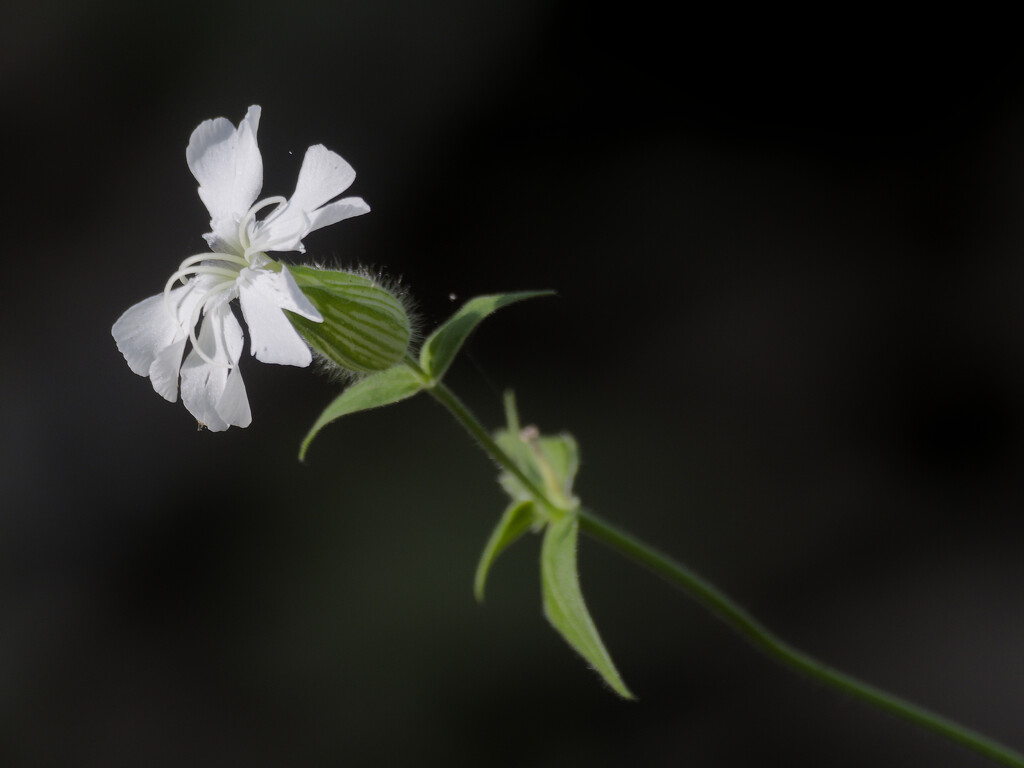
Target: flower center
column 226, row 267
column 223, row 270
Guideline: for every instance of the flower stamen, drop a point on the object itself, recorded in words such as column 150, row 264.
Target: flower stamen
column 181, row 274
column 212, row 294
column 270, row 245
column 243, row 226
column 229, row 257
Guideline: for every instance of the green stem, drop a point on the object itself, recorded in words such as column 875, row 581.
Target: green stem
column 449, row 400
column 761, row 637
column 736, row 617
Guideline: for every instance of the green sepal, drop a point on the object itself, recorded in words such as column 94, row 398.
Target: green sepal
column 550, row 462
column 444, row 343
column 517, row 520
column 365, row 328
column 562, row 456
column 563, row 601
column 382, row 388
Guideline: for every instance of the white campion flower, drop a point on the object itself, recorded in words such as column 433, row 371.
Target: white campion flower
column 153, row 333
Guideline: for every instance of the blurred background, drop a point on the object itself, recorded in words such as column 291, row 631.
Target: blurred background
column 788, row 338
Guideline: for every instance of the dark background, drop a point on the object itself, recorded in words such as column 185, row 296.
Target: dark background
column 789, row 256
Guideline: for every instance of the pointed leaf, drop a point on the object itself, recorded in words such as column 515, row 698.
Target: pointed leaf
column 516, row 521
column 382, row 388
column 444, row 343
column 563, row 601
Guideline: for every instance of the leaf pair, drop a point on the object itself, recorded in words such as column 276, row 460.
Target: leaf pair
column 550, row 462
column 405, row 379
column 563, row 601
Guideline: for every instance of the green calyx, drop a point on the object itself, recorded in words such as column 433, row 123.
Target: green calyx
column 365, row 327
column 362, row 317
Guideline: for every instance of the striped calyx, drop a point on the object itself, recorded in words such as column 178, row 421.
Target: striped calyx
column 365, row 327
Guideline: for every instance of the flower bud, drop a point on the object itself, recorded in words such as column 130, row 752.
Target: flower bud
column 550, row 462
column 365, row 327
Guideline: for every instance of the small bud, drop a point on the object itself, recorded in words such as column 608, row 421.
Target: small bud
column 549, row 461
column 365, row 327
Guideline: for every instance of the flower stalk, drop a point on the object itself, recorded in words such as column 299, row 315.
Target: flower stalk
column 719, row 603
column 478, row 432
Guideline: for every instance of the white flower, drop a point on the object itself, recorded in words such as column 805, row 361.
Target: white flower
column 152, row 334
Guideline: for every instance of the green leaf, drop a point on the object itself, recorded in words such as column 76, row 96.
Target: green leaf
column 382, row 388
column 516, row 521
column 444, row 343
column 563, row 601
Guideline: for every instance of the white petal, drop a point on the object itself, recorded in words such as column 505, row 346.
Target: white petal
column 233, row 406
column 337, row 211
column 152, row 341
column 324, row 175
column 273, row 339
column 227, row 338
column 142, row 331
column 279, row 288
column 281, row 231
column 164, row 370
column 227, row 164
column 203, row 384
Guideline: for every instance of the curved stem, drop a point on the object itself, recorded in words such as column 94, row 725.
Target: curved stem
column 449, row 400
column 736, row 617
column 765, row 640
